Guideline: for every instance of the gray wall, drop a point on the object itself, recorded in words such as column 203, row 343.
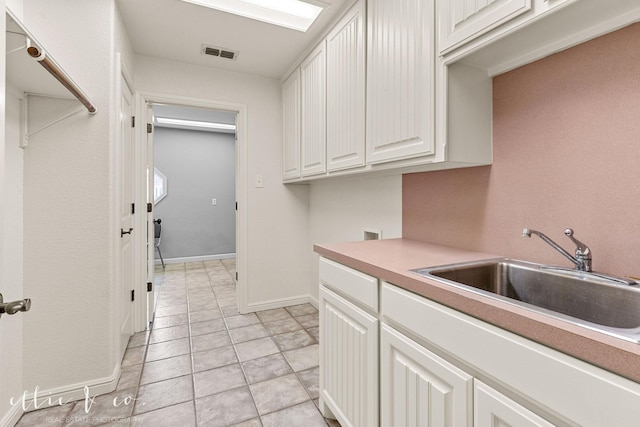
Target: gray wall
column 199, row 166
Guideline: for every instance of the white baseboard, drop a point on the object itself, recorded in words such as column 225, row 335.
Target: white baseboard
column 12, row 417
column 314, row 302
column 71, row 392
column 180, row 260
column 284, row 302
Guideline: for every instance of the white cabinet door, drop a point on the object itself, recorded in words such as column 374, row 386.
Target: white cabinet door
column 493, row 409
column 291, row 126
column 400, row 79
column 463, row 20
column 346, row 91
column 420, row 389
column 313, row 131
column 348, row 361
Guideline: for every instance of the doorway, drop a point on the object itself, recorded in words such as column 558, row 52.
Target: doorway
column 150, row 105
column 194, row 183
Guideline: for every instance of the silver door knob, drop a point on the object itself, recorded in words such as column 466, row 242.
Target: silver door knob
column 14, row 306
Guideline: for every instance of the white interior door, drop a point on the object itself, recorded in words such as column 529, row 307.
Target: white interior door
column 151, row 254
column 127, row 211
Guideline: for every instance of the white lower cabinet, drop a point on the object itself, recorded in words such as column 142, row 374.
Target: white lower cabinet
column 349, row 346
column 418, row 388
column 393, row 358
column 494, row 409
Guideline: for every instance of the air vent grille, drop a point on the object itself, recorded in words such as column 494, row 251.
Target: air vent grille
column 219, row 52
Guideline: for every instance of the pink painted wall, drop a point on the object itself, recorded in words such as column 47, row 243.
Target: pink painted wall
column 566, row 138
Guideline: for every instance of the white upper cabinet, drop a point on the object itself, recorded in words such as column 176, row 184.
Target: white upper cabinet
column 346, row 91
column 291, row 126
column 400, row 79
column 313, row 131
column 461, row 20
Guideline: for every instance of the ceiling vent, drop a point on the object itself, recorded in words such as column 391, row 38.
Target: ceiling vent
column 219, row 52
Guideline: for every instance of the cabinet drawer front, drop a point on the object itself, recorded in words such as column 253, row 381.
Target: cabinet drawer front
column 360, row 287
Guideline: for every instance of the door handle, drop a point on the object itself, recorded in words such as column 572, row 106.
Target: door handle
column 14, row 306
column 122, row 232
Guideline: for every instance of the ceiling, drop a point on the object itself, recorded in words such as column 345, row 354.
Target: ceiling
column 176, row 30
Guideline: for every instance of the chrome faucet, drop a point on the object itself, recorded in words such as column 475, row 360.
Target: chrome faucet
column 582, row 259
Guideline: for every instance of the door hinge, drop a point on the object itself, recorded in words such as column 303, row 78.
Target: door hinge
column 236, row 205
column 149, row 207
column 133, row 121
column 133, row 295
column 149, row 128
column 149, row 286
column 236, row 276
column 133, row 208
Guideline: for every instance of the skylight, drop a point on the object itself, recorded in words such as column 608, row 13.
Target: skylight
column 294, row 14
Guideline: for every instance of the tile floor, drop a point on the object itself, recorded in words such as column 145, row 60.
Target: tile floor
column 204, row 364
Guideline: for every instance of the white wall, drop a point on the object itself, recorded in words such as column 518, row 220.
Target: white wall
column 340, row 209
column 11, row 327
column 69, row 208
column 278, row 227
column 199, row 166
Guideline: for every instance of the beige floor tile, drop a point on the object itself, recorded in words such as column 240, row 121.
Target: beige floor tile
column 278, row 393
column 211, row 359
column 266, row 368
column 282, row 326
column 164, row 393
column 133, row 356
column 182, row 415
column 227, row 408
column 166, row 349
column 218, row 380
column 302, row 358
column 129, row 377
column 293, row 340
column 256, row 348
column 301, row 310
column 171, row 310
column 207, row 327
column 210, row 341
column 305, row 414
column 168, row 321
column 99, row 410
column 248, row 333
column 168, row 334
column 273, row 315
column 310, row 380
column 166, row 368
column 308, row 320
column 201, row 316
column 54, row 416
column 241, row 320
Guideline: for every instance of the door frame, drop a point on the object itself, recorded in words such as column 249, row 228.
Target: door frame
column 143, row 98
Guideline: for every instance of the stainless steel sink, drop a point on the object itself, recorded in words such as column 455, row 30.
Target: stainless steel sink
column 582, row 298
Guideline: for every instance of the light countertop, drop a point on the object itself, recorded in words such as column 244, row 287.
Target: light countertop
column 391, row 260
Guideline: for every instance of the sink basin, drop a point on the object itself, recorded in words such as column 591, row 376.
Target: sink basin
column 581, row 298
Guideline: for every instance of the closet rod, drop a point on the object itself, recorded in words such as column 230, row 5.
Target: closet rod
column 40, row 56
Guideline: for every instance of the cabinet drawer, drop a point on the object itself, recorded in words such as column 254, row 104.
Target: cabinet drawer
column 358, row 287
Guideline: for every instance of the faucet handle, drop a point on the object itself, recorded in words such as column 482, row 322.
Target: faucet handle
column 583, row 253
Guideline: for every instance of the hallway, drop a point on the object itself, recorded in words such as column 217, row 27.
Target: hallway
column 204, row 364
